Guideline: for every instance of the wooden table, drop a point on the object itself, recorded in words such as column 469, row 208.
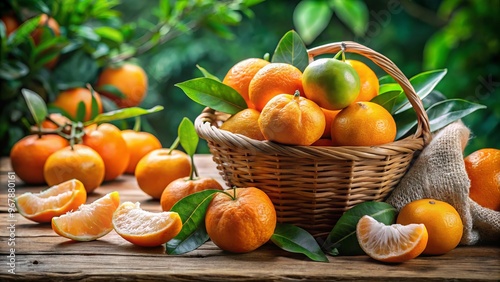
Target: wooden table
column 40, row 254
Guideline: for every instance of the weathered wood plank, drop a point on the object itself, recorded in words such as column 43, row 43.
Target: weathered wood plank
column 44, row 256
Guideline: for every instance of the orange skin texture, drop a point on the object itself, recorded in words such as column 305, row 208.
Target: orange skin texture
column 483, row 169
column 158, row 168
column 274, row 79
column 363, row 124
column 81, row 162
column 92, row 221
column 329, row 117
column 243, row 224
column 130, row 79
column 292, row 120
column 183, row 187
column 129, row 219
column 368, row 81
column 28, row 156
column 68, row 100
column 245, row 122
column 138, row 144
column 54, row 201
column 106, row 139
column 442, row 221
column 240, row 75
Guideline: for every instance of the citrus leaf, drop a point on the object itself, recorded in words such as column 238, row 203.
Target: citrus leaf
column 386, row 79
column 94, row 108
column 187, row 136
column 109, row 33
column 192, row 210
column 11, row 70
column 36, row 105
column 342, row 239
column 81, row 110
column 387, row 99
column 352, row 13
column 291, row 50
column 423, row 83
column 123, row 114
column 311, row 18
column 445, row 112
column 207, row 74
column 296, row 240
column 111, row 89
column 389, row 87
column 213, row 94
column 22, row 33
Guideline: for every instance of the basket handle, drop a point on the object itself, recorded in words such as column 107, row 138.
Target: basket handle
column 423, row 127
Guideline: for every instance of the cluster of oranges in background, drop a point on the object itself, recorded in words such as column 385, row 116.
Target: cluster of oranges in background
column 326, row 105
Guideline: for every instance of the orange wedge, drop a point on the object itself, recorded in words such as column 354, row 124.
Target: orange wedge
column 90, row 221
column 54, row 201
column 391, row 243
column 144, row 228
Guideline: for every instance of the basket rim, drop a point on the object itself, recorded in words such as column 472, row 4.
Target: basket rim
column 206, row 125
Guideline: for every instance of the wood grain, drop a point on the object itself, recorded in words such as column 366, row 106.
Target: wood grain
column 42, row 255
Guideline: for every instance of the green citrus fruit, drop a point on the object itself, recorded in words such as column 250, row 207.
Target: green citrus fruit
column 331, row 83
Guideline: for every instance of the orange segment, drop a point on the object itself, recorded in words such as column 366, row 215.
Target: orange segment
column 391, row 243
column 145, row 228
column 54, row 201
column 90, row 221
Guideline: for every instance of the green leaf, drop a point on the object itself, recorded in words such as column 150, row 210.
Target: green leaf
column 188, row 137
column 213, row 94
column 36, row 105
column 443, row 113
column 109, row 33
column 387, row 99
column 11, row 70
column 296, row 240
column 23, row 32
column 389, row 87
column 423, row 83
column 352, row 13
column 342, row 239
column 81, row 111
column 207, row 74
column 94, row 108
column 386, row 79
column 311, row 18
column 291, row 50
column 78, row 68
column 123, row 114
column 192, row 210
column 111, row 89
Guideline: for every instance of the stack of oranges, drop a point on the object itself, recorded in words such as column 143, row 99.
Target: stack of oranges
column 326, row 104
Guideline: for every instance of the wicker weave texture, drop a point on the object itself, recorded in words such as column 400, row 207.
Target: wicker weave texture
column 312, row 186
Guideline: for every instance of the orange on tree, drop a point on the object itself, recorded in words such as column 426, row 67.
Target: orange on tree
column 144, row 228
column 483, row 169
column 244, row 122
column 10, row 22
column 160, row 167
column 240, row 75
column 90, row 221
column 54, row 201
column 130, row 79
column 183, row 187
column 106, row 139
column 139, row 143
column 442, row 221
column 363, row 124
column 391, row 243
column 331, row 83
column 369, row 84
column 28, row 156
column 240, row 220
column 78, row 162
column 68, row 101
column 292, row 120
column 274, row 79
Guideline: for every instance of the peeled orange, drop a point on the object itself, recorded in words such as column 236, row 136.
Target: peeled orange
column 90, row 221
column 145, row 228
column 391, row 243
column 54, row 201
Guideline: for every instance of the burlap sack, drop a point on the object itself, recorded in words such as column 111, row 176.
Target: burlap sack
column 439, row 173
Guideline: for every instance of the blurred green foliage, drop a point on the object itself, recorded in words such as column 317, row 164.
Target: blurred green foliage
column 459, row 35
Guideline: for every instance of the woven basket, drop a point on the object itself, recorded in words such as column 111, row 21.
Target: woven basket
column 310, row 186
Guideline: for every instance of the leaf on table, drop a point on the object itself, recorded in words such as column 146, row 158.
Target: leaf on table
column 36, row 105
column 296, row 240
column 342, row 239
column 213, row 94
column 192, row 210
column 291, row 50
